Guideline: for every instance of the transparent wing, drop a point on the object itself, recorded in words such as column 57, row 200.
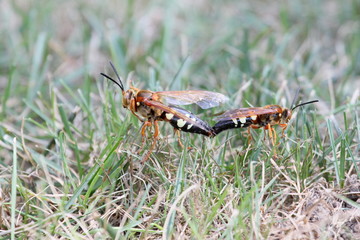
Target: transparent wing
column 168, row 109
column 203, row 99
column 245, row 112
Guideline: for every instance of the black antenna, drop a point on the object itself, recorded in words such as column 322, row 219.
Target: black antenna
column 117, row 75
column 305, row 103
column 120, row 84
column 103, row 74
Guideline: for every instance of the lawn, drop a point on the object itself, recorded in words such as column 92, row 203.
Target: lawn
column 70, row 154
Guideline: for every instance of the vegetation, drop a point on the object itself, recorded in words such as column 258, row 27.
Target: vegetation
column 68, row 150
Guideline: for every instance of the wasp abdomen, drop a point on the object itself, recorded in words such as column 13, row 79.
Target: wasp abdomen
column 196, row 126
column 241, row 122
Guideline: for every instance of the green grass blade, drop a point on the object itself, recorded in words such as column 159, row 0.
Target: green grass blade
column 333, row 148
column 36, row 75
column 13, row 189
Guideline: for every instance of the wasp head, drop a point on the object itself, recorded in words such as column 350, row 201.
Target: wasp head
column 285, row 115
column 127, row 95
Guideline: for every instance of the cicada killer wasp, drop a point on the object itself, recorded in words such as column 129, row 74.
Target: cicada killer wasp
column 257, row 117
column 150, row 107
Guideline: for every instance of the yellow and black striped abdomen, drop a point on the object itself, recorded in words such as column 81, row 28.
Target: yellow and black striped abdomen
column 241, row 122
column 195, row 126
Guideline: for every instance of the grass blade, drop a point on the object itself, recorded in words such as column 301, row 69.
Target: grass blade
column 13, row 189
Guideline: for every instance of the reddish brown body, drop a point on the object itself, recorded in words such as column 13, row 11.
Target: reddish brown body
column 256, row 117
column 150, row 107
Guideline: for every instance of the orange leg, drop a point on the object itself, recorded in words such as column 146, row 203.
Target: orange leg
column 177, row 132
column 275, row 136
column 143, row 135
column 249, row 136
column 264, row 134
column 272, row 136
column 283, row 126
column 156, row 135
column 143, row 128
column 271, row 131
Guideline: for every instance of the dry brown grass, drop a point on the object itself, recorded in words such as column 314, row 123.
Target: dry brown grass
column 319, row 212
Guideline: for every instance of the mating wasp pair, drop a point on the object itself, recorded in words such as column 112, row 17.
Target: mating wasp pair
column 151, row 107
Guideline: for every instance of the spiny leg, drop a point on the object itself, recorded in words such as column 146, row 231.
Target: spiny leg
column 274, row 134
column 270, row 133
column 273, row 129
column 143, row 135
column 156, row 135
column 283, row 126
column 177, row 132
column 249, row 136
column 264, row 134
